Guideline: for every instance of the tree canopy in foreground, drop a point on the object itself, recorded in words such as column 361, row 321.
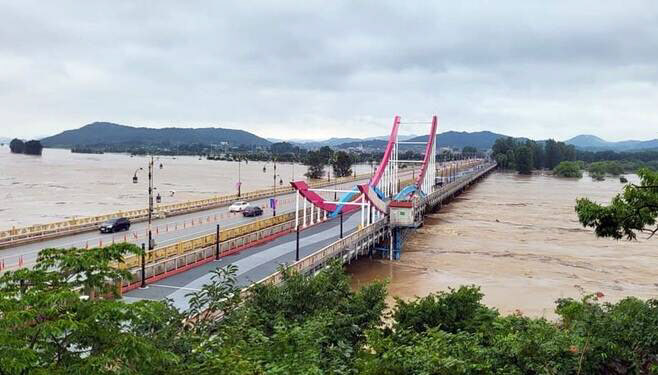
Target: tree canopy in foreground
column 634, row 210
column 306, row 325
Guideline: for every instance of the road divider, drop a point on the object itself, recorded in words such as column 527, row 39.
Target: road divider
column 16, row 236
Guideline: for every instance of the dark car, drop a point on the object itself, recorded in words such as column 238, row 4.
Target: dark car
column 115, row 225
column 252, row 211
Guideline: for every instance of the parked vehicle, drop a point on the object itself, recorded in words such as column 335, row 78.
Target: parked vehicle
column 115, row 225
column 252, row 211
column 238, row 206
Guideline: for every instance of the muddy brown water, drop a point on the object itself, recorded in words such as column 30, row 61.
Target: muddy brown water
column 60, row 185
column 519, row 239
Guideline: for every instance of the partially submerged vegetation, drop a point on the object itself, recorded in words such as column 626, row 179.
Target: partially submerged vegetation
column 568, row 169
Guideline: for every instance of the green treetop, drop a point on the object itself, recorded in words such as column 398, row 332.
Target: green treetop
column 634, row 210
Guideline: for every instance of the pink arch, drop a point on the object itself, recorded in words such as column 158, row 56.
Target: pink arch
column 316, row 200
column 428, row 151
column 387, row 153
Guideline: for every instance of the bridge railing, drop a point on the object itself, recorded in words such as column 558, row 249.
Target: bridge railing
column 16, row 236
column 367, row 235
column 459, row 182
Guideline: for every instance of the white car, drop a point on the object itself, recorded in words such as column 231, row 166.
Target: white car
column 238, row 206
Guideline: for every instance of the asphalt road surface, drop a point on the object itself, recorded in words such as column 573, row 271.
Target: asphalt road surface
column 253, row 264
column 165, row 231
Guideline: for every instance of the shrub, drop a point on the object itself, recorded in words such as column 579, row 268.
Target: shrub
column 568, row 169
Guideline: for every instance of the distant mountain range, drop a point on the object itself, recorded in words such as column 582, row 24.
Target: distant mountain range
column 481, row 140
column 106, row 133
column 338, row 142
column 593, row 143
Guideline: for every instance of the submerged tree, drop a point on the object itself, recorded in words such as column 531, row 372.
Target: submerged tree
column 342, row 164
column 17, row 146
column 524, row 163
column 634, row 210
column 33, row 147
column 568, row 169
column 316, row 163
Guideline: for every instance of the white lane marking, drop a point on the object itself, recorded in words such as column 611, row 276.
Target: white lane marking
column 175, row 287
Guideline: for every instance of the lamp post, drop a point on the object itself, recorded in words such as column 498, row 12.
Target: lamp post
column 150, row 192
column 239, row 177
column 297, row 243
column 274, row 175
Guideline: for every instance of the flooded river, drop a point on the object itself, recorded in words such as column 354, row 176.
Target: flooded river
column 60, row 185
column 520, row 240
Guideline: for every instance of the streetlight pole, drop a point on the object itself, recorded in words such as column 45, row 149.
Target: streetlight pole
column 150, row 247
column 274, row 175
column 143, row 267
column 341, row 224
column 297, row 246
column 239, row 179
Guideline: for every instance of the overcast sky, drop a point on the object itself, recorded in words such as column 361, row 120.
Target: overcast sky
column 310, row 69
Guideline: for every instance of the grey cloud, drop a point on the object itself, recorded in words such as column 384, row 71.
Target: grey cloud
column 280, row 68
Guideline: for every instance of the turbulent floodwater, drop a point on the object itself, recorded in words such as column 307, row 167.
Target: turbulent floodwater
column 60, row 185
column 520, row 240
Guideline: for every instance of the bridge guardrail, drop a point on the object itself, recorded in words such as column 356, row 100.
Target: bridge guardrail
column 187, row 246
column 40, row 231
column 319, row 257
column 170, row 258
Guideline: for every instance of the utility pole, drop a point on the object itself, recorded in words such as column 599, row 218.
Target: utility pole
column 274, row 175
column 341, row 224
column 150, row 247
column 143, row 266
column 217, row 243
column 239, row 179
column 297, row 246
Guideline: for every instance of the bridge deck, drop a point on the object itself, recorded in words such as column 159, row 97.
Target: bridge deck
column 253, row 264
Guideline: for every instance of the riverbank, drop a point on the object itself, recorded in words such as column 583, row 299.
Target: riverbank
column 518, row 238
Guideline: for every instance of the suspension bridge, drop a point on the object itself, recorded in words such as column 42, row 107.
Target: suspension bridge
column 364, row 216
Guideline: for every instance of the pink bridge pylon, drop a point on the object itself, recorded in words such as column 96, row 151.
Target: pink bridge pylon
column 381, row 188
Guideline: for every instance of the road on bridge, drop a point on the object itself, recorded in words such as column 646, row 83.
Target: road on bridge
column 165, row 231
column 253, row 264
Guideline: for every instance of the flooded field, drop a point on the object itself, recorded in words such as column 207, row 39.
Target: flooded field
column 520, row 240
column 60, row 185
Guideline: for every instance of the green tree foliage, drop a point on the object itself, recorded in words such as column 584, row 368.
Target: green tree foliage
column 326, row 153
column 509, row 154
column 469, row 150
column 568, row 169
column 634, row 210
column 597, row 170
column 524, row 162
column 502, row 161
column 601, row 168
column 47, row 328
column 316, row 163
column 33, row 147
column 342, row 164
column 17, row 146
column 304, row 325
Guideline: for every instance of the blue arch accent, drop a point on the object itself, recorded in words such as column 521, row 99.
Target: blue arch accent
column 344, row 199
column 406, row 192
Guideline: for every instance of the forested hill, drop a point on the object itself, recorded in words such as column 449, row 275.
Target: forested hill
column 594, row 143
column 107, row 133
column 482, row 140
